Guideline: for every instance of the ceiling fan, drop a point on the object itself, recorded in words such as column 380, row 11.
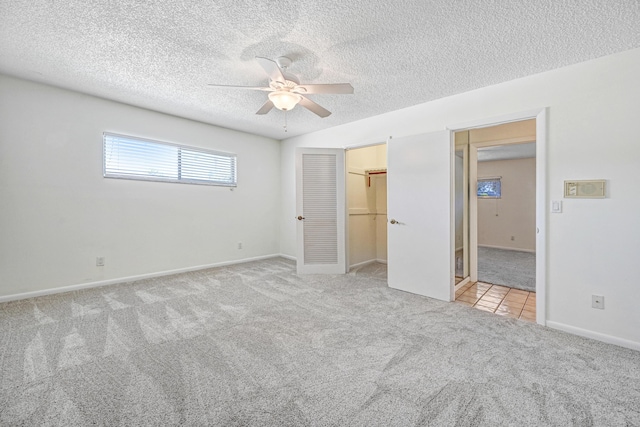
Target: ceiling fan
column 285, row 90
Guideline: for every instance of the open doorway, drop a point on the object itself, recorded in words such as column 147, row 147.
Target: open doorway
column 367, row 209
column 501, row 166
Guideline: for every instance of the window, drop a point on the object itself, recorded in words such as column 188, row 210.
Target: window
column 489, row 188
column 136, row 158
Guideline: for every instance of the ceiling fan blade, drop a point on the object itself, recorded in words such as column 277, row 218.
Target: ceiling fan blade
column 272, row 69
column 338, row 88
column 265, row 108
column 264, row 88
column 313, row 107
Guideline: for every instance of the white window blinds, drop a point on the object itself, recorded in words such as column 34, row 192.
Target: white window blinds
column 490, row 188
column 136, row 158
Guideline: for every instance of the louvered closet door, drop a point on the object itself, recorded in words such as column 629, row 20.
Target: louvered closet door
column 320, row 210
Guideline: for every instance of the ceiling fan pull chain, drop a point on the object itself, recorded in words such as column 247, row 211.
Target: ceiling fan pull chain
column 285, row 120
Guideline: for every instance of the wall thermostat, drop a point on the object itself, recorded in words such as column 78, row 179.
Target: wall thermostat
column 585, row 189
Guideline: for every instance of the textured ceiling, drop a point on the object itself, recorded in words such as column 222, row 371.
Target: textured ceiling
column 161, row 54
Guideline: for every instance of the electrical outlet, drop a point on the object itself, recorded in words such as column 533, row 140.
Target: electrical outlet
column 239, row 245
column 100, row 261
column 597, row 301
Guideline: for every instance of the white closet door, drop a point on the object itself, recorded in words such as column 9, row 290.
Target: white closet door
column 419, row 207
column 320, row 204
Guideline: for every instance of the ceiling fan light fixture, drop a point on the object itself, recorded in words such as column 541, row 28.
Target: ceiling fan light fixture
column 284, row 100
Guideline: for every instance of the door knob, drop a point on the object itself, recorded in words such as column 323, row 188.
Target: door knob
column 299, row 217
column 393, row 221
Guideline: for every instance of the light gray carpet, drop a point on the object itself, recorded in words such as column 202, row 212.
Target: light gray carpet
column 515, row 269
column 256, row 345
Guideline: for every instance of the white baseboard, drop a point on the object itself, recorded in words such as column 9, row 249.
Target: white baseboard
column 609, row 339
column 69, row 288
column 508, row 249
column 462, row 283
column 371, row 261
column 292, row 258
column 360, row 264
column 381, row 261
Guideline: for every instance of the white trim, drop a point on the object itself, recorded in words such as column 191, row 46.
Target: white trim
column 452, row 215
column 371, row 261
column 89, row 285
column 609, row 339
column 497, row 120
column 363, row 263
column 473, row 214
column 508, row 249
column 465, row 208
column 461, row 283
column 541, row 216
column 372, row 143
column 289, row 257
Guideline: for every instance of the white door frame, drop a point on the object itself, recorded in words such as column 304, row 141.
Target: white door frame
column 465, row 211
column 540, row 114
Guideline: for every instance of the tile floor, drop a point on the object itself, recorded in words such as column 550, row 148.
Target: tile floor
column 500, row 300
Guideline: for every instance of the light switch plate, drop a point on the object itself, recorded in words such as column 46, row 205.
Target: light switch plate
column 556, row 206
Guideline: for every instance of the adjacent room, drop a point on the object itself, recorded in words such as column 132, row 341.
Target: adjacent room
column 300, row 213
column 499, row 211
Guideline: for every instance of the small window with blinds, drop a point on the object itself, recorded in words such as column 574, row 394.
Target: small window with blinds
column 490, row 188
column 136, row 158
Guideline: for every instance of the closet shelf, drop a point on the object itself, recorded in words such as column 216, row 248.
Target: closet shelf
column 375, row 171
column 369, row 172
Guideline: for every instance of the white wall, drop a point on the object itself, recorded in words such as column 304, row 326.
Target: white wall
column 57, row 212
column 592, row 133
column 514, row 214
